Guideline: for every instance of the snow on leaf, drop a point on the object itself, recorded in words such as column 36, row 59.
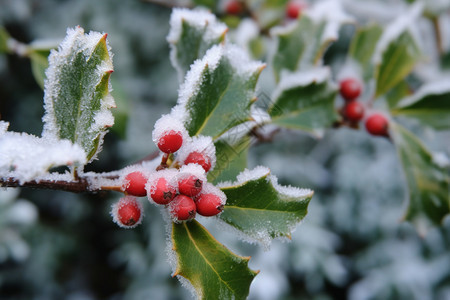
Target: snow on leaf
column 218, row 91
column 192, row 33
column 26, row 157
column 77, row 91
column 260, row 209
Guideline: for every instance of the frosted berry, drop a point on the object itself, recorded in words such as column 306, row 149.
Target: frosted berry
column 209, row 205
column 294, row 9
column 170, row 141
column 161, row 192
column 350, row 89
column 182, row 208
column 377, row 124
column 234, row 7
column 127, row 212
column 354, row 111
column 198, row 158
column 190, row 185
column 134, row 184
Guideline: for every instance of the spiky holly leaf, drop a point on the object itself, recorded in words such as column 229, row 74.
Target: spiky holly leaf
column 430, row 105
column 191, row 34
column 302, row 43
column 428, row 183
column 305, row 101
column 362, row 47
column 213, row 270
column 396, row 52
column 260, row 208
column 218, row 91
column 77, row 90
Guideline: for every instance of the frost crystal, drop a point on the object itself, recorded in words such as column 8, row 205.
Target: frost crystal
column 439, row 87
column 27, row 157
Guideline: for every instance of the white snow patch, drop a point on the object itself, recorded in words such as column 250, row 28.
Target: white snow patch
column 26, row 157
column 246, row 175
column 3, row 127
column 290, row 191
column 405, row 22
column 291, row 80
column 439, row 87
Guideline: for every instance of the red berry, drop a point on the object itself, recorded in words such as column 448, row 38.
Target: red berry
column 127, row 212
column 294, row 9
column 350, row 89
column 234, row 7
column 134, row 184
column 209, row 205
column 182, row 208
column 161, row 192
column 198, row 158
column 377, row 124
column 190, row 185
column 170, row 141
column 354, row 111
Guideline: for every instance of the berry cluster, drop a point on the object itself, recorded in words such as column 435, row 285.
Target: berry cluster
column 354, row 110
column 179, row 182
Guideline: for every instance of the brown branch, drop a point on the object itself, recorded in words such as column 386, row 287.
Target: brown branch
column 168, row 3
column 438, row 35
column 79, row 186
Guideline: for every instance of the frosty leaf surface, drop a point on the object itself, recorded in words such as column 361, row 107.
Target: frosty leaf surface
column 27, row 157
column 213, row 270
column 218, row 91
column 260, row 208
column 192, row 33
column 430, row 105
column 363, row 45
column 428, row 183
column 77, row 91
column 303, row 43
column 396, row 52
column 304, row 100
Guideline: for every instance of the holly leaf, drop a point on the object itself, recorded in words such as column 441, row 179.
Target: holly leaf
column 362, row 47
column 398, row 93
column 231, row 158
column 396, row 52
column 302, row 43
column 77, row 93
column 192, row 33
column 428, row 183
column 260, row 208
column 4, row 37
column 218, row 91
column 430, row 105
column 213, row 270
column 305, row 101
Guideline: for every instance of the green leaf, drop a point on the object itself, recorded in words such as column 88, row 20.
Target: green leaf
column 428, row 184
column 207, row 3
column 38, row 52
column 218, row 91
column 303, row 43
column 4, row 37
column 191, row 34
column 430, row 105
column 362, row 47
column 396, row 52
column 213, row 270
column 77, row 92
column 260, row 208
column 397, row 93
column 305, row 101
column 231, row 158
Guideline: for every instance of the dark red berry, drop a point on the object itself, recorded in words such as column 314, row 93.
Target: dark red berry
column 170, row 141
column 198, row 158
column 182, row 208
column 134, row 184
column 127, row 212
column 377, row 124
column 350, row 89
column 234, row 7
column 161, row 192
column 354, row 111
column 190, row 185
column 294, row 9
column 208, row 205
